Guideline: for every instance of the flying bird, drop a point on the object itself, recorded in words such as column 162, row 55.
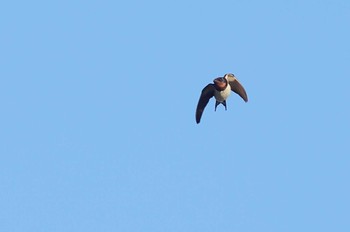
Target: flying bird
column 221, row 90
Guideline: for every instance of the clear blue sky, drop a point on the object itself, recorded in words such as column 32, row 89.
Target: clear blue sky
column 97, row 116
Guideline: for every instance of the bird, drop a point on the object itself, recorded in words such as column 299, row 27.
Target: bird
column 220, row 89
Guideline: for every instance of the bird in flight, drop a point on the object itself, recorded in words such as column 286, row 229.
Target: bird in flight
column 221, row 90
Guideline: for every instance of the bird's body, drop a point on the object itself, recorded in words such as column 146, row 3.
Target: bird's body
column 221, row 90
column 221, row 96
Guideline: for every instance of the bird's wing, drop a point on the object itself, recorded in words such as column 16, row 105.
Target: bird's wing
column 237, row 88
column 207, row 93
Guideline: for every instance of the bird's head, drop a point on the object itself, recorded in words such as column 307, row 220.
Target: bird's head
column 220, row 83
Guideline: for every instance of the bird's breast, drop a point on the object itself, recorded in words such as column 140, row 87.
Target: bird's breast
column 221, row 96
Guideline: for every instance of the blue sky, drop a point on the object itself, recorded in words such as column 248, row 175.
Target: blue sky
column 98, row 130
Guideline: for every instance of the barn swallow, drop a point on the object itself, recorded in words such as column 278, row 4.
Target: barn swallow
column 221, row 90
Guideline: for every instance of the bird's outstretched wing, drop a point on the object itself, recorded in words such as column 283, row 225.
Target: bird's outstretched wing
column 207, row 93
column 237, row 87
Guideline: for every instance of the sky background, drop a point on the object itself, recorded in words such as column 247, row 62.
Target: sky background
column 97, row 126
